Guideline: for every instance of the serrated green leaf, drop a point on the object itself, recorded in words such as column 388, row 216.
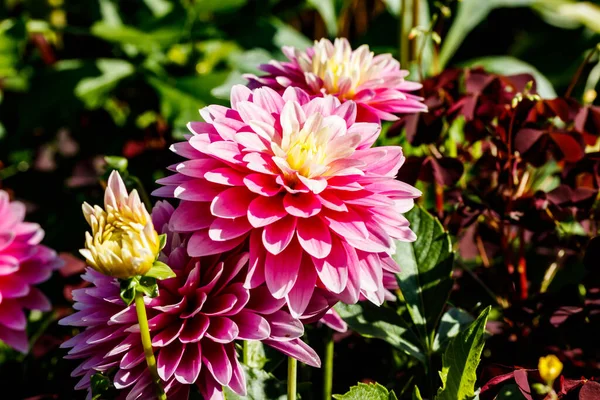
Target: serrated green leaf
column 381, row 323
column 160, row 271
column 255, row 353
column 364, row 391
column 460, row 361
column 425, row 277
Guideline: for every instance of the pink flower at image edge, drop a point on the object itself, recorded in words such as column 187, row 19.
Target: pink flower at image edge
column 24, row 263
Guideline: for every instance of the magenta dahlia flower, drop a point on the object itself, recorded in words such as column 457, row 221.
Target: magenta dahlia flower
column 194, row 322
column 24, row 262
column 375, row 83
column 297, row 177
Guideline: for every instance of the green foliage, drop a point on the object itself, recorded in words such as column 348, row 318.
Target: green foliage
column 381, row 323
column 137, row 284
column 260, row 385
column 160, row 271
column 364, row 391
column 460, row 361
column 425, row 278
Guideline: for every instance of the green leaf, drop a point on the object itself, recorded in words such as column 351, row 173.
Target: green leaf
column 260, row 385
column 100, row 384
column 137, row 284
column 425, row 278
column 160, row 271
column 507, row 65
column 326, row 9
column 460, row 361
column 146, row 42
column 116, row 162
column 364, row 391
column 453, row 321
column 510, row 392
column 381, row 323
column 162, row 241
column 257, row 357
column 94, row 91
column 417, row 394
column 220, row 6
column 181, row 99
column 471, row 13
column 285, row 35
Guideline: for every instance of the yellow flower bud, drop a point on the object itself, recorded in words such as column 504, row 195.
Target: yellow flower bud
column 123, row 242
column 550, row 368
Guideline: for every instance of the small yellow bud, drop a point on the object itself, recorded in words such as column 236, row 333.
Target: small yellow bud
column 123, row 242
column 589, row 96
column 550, row 368
column 55, row 3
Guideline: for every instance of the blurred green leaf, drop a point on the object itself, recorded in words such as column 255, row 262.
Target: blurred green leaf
column 366, row 391
column 469, row 14
column 12, row 43
column 460, row 361
column 327, row 10
column 146, row 42
column 220, row 6
column 453, row 321
column 425, row 278
column 507, row 65
column 570, row 14
column 416, row 395
column 160, row 270
column 381, row 323
column 510, row 392
column 285, row 35
column 94, row 91
column 159, row 8
column 181, row 100
column 257, row 357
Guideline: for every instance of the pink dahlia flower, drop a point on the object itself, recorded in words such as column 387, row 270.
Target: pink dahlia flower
column 375, row 83
column 297, row 177
column 194, row 322
column 24, row 262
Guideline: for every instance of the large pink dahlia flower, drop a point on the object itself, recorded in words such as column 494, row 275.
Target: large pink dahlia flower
column 24, row 262
column 375, row 83
column 194, row 322
column 298, row 178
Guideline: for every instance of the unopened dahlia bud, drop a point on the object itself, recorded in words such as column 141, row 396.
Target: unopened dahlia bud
column 123, row 242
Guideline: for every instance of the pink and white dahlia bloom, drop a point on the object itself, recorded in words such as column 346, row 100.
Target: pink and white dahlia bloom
column 297, row 177
column 24, row 262
column 375, row 83
column 193, row 322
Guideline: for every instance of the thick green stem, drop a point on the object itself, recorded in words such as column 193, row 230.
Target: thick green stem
column 292, row 378
column 328, row 366
column 140, row 309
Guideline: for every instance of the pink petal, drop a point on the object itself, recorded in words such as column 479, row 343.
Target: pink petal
column 300, row 295
column 200, row 244
column 216, row 360
column 195, row 329
column 191, row 216
column 11, row 315
column 189, row 367
column 262, row 184
column 226, row 229
column 225, row 176
column 346, row 224
column 302, row 205
column 198, row 168
column 232, row 203
column 314, row 237
column 281, row 270
column 168, row 359
column 263, row 211
column 278, row 235
column 222, row 330
column 251, row 326
column 297, row 349
column 333, row 270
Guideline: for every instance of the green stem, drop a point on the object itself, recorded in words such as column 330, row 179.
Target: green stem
column 245, row 353
column 292, row 378
column 140, row 309
column 328, row 366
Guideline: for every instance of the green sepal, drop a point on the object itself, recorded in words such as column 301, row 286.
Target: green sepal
column 162, row 241
column 160, row 271
column 143, row 284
